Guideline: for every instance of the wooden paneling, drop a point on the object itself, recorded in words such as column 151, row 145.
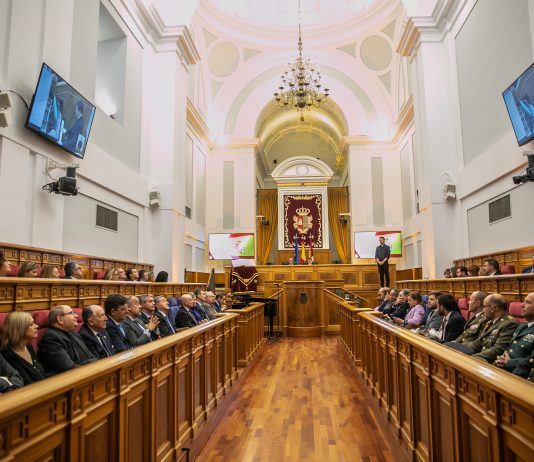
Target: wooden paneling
column 407, row 274
column 250, row 332
column 23, row 294
column 143, row 405
column 519, row 258
column 18, row 254
column 321, row 256
column 513, row 287
column 441, row 404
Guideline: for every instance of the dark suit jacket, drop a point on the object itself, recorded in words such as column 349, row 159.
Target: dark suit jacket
column 71, row 136
column 60, row 351
column 184, row 319
column 94, row 345
column 14, row 378
column 119, row 340
column 163, row 326
column 529, row 269
column 135, row 331
column 455, row 326
column 155, row 334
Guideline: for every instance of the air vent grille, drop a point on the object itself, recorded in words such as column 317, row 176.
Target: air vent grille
column 499, row 209
column 107, row 218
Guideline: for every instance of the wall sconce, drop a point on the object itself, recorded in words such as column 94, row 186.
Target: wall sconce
column 263, row 220
column 344, row 218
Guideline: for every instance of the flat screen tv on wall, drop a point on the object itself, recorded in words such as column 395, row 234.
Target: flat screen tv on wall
column 60, row 114
column 519, row 100
column 232, row 246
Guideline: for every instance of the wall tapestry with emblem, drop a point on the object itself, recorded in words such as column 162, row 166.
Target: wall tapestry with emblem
column 303, row 217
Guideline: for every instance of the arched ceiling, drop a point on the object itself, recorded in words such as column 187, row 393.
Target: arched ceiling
column 284, row 135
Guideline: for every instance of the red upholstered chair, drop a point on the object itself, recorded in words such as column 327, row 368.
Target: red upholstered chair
column 61, row 271
column 78, row 311
column 508, row 269
column 14, row 272
column 464, row 308
column 41, row 319
column 515, row 310
column 3, row 317
column 97, row 274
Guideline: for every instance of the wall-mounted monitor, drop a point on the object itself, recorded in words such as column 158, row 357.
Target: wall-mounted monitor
column 60, row 114
column 365, row 243
column 232, row 246
column 519, row 100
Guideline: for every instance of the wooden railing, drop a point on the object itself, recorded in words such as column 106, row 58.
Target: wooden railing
column 514, row 287
column 32, row 294
column 519, row 258
column 200, row 277
column 411, row 273
column 250, row 335
column 146, row 404
column 443, row 405
column 350, row 331
column 18, row 254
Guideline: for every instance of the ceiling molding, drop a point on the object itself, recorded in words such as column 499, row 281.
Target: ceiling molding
column 302, row 168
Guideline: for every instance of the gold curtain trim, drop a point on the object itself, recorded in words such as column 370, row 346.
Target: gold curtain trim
column 245, row 281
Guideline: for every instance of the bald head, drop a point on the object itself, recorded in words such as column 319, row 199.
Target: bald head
column 494, row 306
column 187, row 301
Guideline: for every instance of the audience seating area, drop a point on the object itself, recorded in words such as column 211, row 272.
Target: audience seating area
column 92, row 267
column 511, row 261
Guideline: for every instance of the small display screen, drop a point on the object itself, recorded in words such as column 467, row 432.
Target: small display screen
column 232, row 246
column 365, row 243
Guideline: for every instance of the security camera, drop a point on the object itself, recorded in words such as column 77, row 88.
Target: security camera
column 529, row 172
column 66, row 185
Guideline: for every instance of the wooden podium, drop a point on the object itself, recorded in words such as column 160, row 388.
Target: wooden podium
column 303, row 309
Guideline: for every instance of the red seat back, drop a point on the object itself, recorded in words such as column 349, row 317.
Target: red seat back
column 464, row 308
column 3, row 317
column 14, row 271
column 41, row 319
column 97, row 274
column 508, row 269
column 515, row 310
column 79, row 320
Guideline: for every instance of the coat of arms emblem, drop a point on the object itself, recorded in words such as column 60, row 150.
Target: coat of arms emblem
column 302, row 221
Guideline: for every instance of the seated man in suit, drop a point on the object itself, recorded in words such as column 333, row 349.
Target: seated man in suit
column 522, row 343
column 93, row 331
column 432, row 323
column 9, row 377
column 137, row 331
column 115, row 306
column 461, row 272
column 453, row 322
column 208, row 305
column 400, row 308
column 496, row 334
column 72, row 271
column 529, row 269
column 148, row 311
column 475, row 325
column 61, row 347
column 218, row 304
column 184, row 316
column 492, row 267
column 166, row 325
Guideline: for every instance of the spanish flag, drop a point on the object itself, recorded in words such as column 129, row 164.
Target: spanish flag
column 303, row 259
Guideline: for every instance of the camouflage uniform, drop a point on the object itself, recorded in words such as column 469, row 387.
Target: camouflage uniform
column 473, row 329
column 494, row 339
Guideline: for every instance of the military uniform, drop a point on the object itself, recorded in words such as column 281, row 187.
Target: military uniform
column 522, row 345
column 525, row 368
column 472, row 329
column 494, row 339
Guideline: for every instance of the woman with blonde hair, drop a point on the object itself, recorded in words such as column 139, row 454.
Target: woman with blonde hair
column 19, row 329
column 28, row 269
column 111, row 275
column 50, row 272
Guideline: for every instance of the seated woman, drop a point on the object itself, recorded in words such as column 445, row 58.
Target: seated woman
column 111, row 275
column 5, row 267
column 28, row 269
column 414, row 317
column 151, row 276
column 19, row 329
column 50, row 272
column 473, row 271
column 162, row 276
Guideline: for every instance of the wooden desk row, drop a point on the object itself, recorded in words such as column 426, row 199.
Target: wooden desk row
column 514, row 287
column 18, row 254
column 146, row 404
column 32, row 294
column 519, row 258
column 441, row 404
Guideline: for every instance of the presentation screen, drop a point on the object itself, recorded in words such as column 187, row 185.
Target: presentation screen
column 60, row 114
column 519, row 100
column 365, row 243
column 232, row 246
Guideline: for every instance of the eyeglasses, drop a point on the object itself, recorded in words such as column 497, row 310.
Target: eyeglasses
column 66, row 314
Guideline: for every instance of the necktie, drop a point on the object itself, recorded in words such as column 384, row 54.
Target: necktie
column 443, row 328
column 119, row 325
column 169, row 324
column 108, row 353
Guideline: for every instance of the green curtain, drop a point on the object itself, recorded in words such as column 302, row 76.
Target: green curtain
column 268, row 207
column 338, row 202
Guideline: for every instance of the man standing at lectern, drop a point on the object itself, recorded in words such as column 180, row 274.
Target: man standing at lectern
column 382, row 253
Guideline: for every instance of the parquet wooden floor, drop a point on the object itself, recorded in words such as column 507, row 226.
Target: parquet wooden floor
column 301, row 401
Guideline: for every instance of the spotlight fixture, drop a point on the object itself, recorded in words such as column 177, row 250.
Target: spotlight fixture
column 66, row 185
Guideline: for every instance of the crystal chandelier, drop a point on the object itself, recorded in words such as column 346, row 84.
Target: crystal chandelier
column 300, row 85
